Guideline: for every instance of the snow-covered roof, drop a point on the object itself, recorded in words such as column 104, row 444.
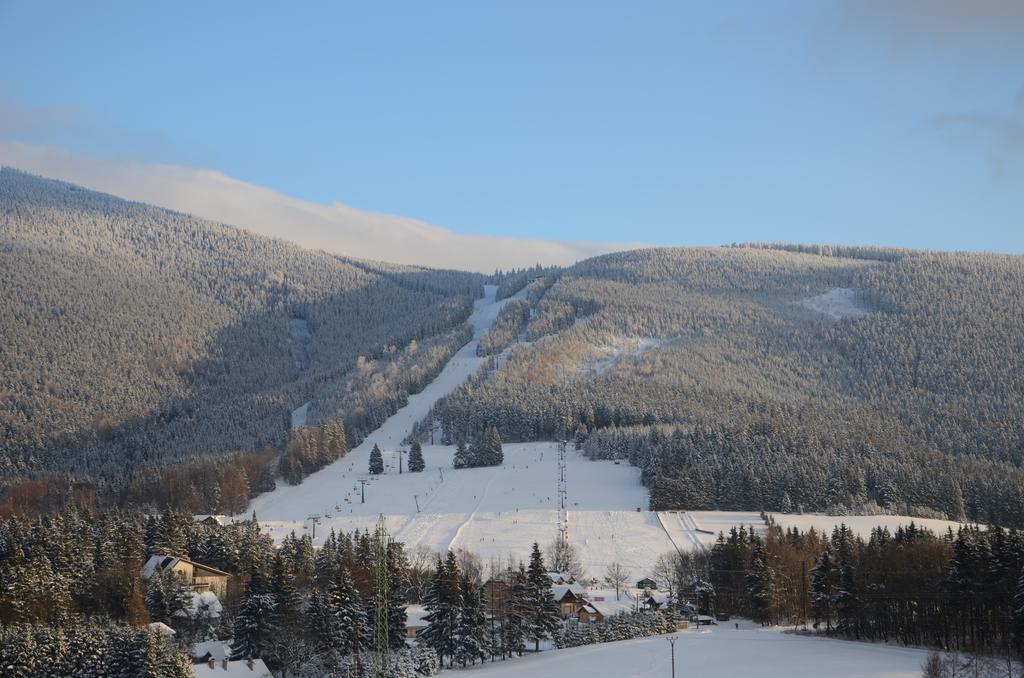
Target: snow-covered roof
column 414, row 616
column 165, row 563
column 161, row 628
column 205, row 517
column 217, row 649
column 559, row 590
column 209, row 600
column 560, row 577
column 236, row 669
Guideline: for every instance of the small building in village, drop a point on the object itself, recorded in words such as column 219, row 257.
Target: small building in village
column 589, row 614
column 247, row 668
column 647, row 584
column 570, row 597
column 560, row 578
column 496, row 596
column 415, row 620
column 208, row 519
column 200, row 577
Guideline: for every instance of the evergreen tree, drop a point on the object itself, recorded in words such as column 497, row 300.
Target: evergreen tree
column 518, row 608
column 171, row 533
column 493, row 454
column 416, row 463
column 543, row 618
column 255, row 625
column 376, row 461
column 442, row 602
column 398, row 565
column 461, row 457
column 349, row 612
column 761, row 587
column 471, row 629
column 823, row 588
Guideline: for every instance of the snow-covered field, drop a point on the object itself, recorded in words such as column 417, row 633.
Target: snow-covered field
column 721, row 652
column 837, row 303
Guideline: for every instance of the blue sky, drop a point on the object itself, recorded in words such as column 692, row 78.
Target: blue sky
column 664, row 122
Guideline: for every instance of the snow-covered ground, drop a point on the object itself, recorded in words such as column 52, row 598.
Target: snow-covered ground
column 612, row 353
column 299, row 414
column 718, row 652
column 837, row 303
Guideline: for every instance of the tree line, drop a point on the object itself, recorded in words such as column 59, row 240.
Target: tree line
column 961, row 592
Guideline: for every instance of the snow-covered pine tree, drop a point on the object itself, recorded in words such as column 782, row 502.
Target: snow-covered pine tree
column 349, row 611
column 461, row 457
column 543, row 618
column 171, row 533
column 492, row 443
column 761, row 586
column 397, row 567
column 513, row 629
column 156, row 603
column 442, row 603
column 471, row 630
column 416, row 463
column 376, row 461
column 823, row 588
column 254, row 629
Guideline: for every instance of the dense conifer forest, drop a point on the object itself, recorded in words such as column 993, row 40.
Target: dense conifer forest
column 705, row 368
column 136, row 337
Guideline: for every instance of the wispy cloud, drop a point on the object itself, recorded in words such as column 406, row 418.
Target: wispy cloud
column 334, row 228
column 1004, row 135
column 943, row 24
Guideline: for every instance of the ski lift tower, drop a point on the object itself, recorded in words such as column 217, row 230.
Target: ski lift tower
column 563, row 512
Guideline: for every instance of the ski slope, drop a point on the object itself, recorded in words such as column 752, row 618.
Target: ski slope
column 719, row 652
column 498, row 512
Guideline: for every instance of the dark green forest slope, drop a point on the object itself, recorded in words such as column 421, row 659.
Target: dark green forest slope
column 135, row 337
column 703, row 368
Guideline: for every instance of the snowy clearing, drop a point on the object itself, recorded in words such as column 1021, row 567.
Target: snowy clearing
column 299, row 414
column 613, row 353
column 837, row 303
column 718, row 652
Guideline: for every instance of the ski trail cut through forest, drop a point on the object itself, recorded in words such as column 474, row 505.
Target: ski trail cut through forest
column 321, row 492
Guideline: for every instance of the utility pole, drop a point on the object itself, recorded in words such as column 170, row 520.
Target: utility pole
column 803, row 590
column 363, row 488
column 672, row 641
column 400, row 453
column 416, row 498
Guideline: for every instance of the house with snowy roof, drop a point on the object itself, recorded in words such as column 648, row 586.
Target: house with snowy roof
column 200, row 577
column 569, row 598
column 243, row 668
column 558, row 578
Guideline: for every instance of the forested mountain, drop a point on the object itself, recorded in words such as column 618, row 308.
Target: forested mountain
column 135, row 336
column 707, row 369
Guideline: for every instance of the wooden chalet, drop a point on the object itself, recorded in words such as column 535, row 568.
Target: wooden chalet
column 588, row 614
column 200, row 577
column 569, row 598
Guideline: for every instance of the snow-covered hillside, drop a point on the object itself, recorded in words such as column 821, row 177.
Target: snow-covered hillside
column 721, row 652
column 500, row 511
